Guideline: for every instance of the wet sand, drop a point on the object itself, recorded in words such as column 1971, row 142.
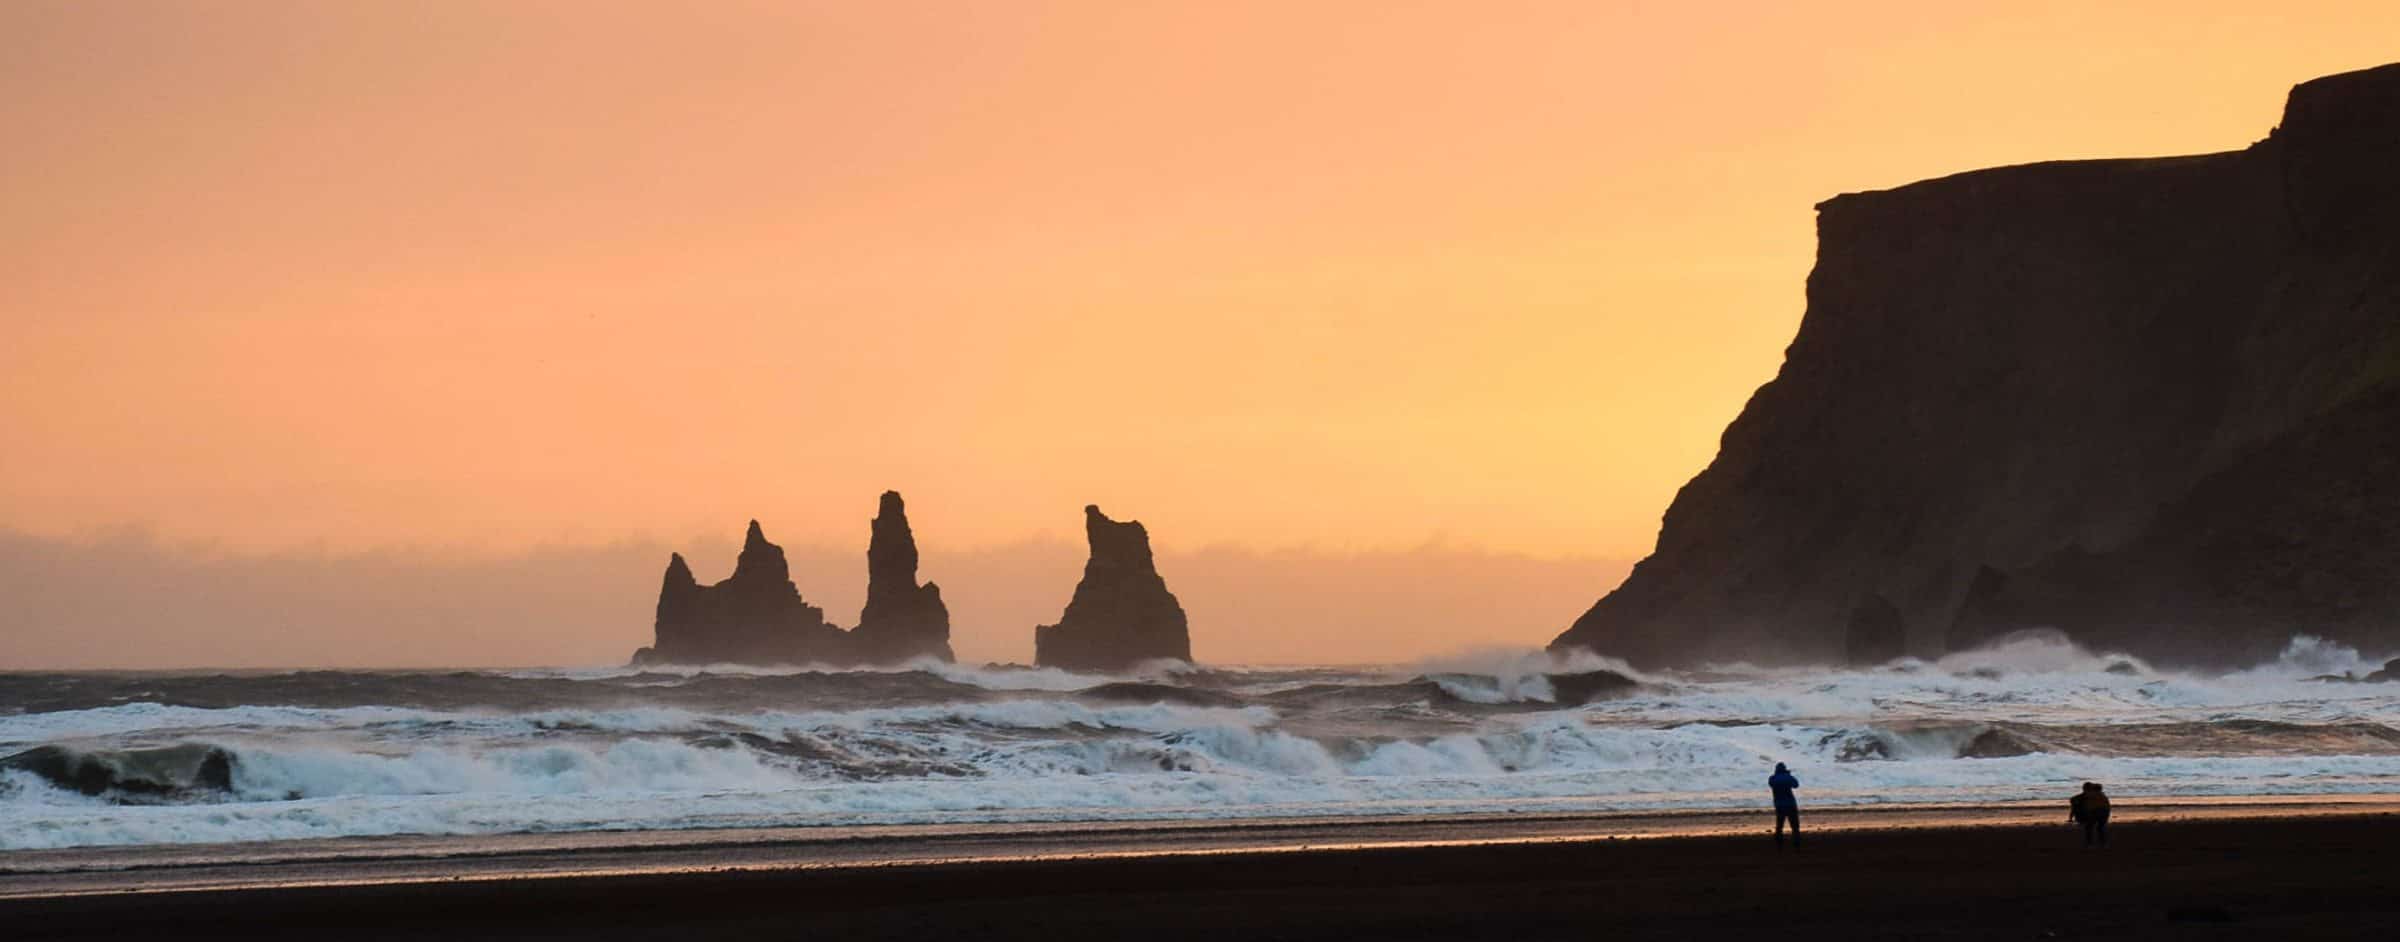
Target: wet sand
column 2275, row 870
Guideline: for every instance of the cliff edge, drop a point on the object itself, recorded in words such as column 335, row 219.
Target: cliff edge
column 2153, row 403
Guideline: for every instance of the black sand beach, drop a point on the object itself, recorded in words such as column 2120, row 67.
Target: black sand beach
column 2264, row 871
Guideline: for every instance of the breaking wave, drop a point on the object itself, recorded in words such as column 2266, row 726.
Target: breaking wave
column 92, row 759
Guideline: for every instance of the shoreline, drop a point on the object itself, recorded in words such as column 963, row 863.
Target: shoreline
column 121, row 871
column 2316, row 875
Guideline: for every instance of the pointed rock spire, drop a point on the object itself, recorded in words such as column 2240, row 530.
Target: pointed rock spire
column 761, row 563
column 1122, row 613
column 676, row 592
column 891, row 551
column 902, row 620
column 755, row 617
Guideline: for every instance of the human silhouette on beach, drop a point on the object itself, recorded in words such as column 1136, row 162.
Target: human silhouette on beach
column 1787, row 806
column 2090, row 809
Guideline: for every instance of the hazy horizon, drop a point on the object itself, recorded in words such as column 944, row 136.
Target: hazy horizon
column 163, row 606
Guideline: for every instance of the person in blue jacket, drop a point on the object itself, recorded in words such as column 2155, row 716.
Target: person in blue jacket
column 1787, row 807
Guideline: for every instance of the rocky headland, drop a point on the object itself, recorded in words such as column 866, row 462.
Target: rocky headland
column 2152, row 403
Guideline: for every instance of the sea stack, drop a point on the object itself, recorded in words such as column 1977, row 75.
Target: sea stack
column 902, row 620
column 2152, row 403
column 756, row 616
column 1122, row 613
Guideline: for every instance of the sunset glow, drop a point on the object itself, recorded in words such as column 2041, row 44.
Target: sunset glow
column 476, row 279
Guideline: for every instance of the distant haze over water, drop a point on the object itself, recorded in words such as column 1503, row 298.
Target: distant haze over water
column 129, row 601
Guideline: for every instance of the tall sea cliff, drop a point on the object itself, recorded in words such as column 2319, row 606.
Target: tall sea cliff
column 2152, row 403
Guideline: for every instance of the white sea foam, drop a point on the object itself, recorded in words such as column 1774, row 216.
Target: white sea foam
column 1026, row 748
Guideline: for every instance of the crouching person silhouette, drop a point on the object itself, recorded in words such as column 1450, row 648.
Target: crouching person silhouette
column 1787, row 806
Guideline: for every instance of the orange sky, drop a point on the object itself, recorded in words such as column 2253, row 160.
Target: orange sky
column 490, row 276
